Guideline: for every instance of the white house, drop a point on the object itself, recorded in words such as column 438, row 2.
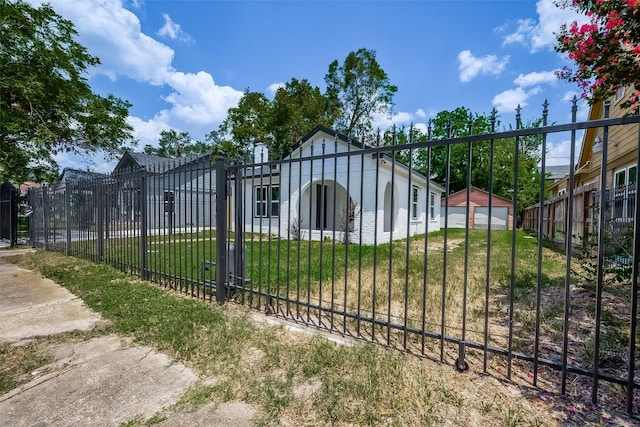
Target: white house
column 311, row 190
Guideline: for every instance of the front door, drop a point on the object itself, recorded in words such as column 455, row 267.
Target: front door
column 321, row 207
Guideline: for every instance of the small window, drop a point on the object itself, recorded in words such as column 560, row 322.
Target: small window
column 169, row 201
column 561, row 191
column 261, row 202
column 633, row 174
column 620, row 176
column 624, row 193
column 275, row 200
column 414, row 203
column 267, row 201
column 619, row 94
column 432, row 206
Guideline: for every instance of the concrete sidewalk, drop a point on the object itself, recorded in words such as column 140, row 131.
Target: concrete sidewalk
column 104, row 381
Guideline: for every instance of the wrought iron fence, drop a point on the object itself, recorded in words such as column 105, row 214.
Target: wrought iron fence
column 8, row 213
column 355, row 238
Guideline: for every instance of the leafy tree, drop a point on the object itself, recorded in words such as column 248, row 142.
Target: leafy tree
column 46, row 104
column 246, row 125
column 357, row 89
column 278, row 124
column 298, row 107
column 173, row 144
column 221, row 146
column 461, row 122
column 606, row 50
column 452, row 124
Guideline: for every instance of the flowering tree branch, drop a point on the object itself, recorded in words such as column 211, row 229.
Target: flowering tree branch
column 606, row 50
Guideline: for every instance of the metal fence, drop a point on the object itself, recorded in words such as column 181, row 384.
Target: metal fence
column 352, row 237
column 617, row 229
column 8, row 213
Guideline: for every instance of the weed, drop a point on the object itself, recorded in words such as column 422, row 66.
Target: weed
column 18, row 363
column 512, row 416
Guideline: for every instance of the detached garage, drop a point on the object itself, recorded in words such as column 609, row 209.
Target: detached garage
column 501, row 210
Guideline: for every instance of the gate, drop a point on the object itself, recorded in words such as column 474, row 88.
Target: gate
column 9, row 213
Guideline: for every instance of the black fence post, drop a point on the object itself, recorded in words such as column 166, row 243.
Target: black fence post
column 45, row 218
column 238, row 228
column 30, row 217
column 221, row 229
column 67, row 216
column 100, row 217
column 143, row 227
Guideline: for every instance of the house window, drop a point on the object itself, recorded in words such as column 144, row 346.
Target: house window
column 624, row 193
column 432, row 206
column 619, row 94
column 414, row 203
column 267, row 201
column 620, row 178
column 169, row 201
column 561, row 191
column 275, row 200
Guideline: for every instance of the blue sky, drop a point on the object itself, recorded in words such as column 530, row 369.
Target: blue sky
column 182, row 64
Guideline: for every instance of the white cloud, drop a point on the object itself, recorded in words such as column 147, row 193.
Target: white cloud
column 540, row 35
column 568, row 96
column 273, row 87
column 113, row 33
column 148, row 132
column 386, row 121
column 422, row 127
column 197, row 99
column 172, row 30
column 536, row 78
column 470, row 66
column 559, row 153
column 510, row 99
column 522, row 33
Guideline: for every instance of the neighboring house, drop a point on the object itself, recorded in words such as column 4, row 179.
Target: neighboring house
column 24, row 188
column 75, row 176
column 621, row 169
column 178, row 192
column 318, row 196
column 620, row 173
column 478, row 211
column 555, row 174
column 82, row 196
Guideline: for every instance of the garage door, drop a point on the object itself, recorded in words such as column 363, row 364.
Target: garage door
column 457, row 215
column 499, row 218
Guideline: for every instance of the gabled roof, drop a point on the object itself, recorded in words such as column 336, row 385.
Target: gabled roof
column 341, row 137
column 358, row 145
column 595, row 111
column 69, row 174
column 476, row 189
column 555, row 172
column 155, row 164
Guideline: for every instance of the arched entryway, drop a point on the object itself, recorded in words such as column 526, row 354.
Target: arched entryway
column 322, row 205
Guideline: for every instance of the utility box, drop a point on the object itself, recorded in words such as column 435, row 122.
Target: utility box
column 237, row 267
